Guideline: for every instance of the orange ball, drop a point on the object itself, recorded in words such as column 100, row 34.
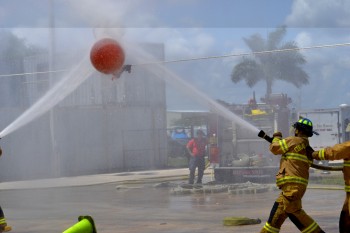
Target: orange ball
column 107, row 56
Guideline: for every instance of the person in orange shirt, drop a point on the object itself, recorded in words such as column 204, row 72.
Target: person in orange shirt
column 337, row 152
column 196, row 148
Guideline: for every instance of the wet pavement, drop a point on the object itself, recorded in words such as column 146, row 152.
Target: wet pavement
column 132, row 204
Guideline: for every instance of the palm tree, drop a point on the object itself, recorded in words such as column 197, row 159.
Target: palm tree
column 271, row 66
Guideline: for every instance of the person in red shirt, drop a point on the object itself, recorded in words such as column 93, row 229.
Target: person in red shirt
column 196, row 148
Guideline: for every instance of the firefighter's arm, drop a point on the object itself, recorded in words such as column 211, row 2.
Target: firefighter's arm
column 336, row 152
column 276, row 145
column 277, row 135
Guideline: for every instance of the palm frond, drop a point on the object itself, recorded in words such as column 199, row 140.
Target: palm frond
column 292, row 73
column 255, row 43
column 275, row 38
column 291, row 56
column 248, row 70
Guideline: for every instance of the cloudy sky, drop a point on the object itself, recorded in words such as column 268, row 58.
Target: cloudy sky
column 202, row 28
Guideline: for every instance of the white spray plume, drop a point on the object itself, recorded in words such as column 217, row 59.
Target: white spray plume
column 57, row 93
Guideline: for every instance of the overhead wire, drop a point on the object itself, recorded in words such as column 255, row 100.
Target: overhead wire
column 247, row 54
column 32, row 73
column 202, row 58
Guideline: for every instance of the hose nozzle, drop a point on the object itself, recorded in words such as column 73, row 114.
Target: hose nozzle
column 263, row 135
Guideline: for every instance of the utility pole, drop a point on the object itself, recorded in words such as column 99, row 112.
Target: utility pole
column 55, row 162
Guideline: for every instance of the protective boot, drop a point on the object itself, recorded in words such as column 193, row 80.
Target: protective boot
column 5, row 228
column 304, row 222
column 3, row 225
column 344, row 220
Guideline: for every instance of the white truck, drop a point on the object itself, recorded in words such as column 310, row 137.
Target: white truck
column 332, row 124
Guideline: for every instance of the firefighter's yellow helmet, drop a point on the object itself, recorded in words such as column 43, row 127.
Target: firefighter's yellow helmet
column 304, row 125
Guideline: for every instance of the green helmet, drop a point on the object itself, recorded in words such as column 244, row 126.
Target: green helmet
column 305, row 125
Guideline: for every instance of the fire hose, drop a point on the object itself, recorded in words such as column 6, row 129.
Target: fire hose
column 263, row 135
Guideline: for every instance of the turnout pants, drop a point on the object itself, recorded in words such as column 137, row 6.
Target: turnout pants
column 2, row 219
column 288, row 205
column 196, row 161
column 344, row 220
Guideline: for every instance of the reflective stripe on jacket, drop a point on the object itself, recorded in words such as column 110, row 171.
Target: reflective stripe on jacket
column 294, row 164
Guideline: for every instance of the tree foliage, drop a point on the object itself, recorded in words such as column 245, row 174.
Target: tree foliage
column 13, row 47
column 271, row 66
column 13, row 51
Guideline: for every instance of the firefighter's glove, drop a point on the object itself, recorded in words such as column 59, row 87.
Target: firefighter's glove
column 277, row 135
column 0, row 151
column 314, row 155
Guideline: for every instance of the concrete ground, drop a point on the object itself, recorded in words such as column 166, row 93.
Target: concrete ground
column 130, row 202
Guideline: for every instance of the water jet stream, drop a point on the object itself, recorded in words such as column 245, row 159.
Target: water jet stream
column 163, row 72
column 57, row 93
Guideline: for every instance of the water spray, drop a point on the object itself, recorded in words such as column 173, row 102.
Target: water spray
column 263, row 135
column 106, row 56
column 57, row 93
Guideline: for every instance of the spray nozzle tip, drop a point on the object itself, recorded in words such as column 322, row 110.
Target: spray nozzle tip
column 261, row 134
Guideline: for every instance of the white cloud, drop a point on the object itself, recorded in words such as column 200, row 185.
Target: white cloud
column 304, row 39
column 189, row 44
column 66, row 39
column 37, row 36
column 204, row 41
column 179, row 43
column 100, row 14
column 319, row 13
column 116, row 14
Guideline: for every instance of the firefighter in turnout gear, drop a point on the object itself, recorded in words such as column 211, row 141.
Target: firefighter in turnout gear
column 3, row 225
column 292, row 179
column 340, row 151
